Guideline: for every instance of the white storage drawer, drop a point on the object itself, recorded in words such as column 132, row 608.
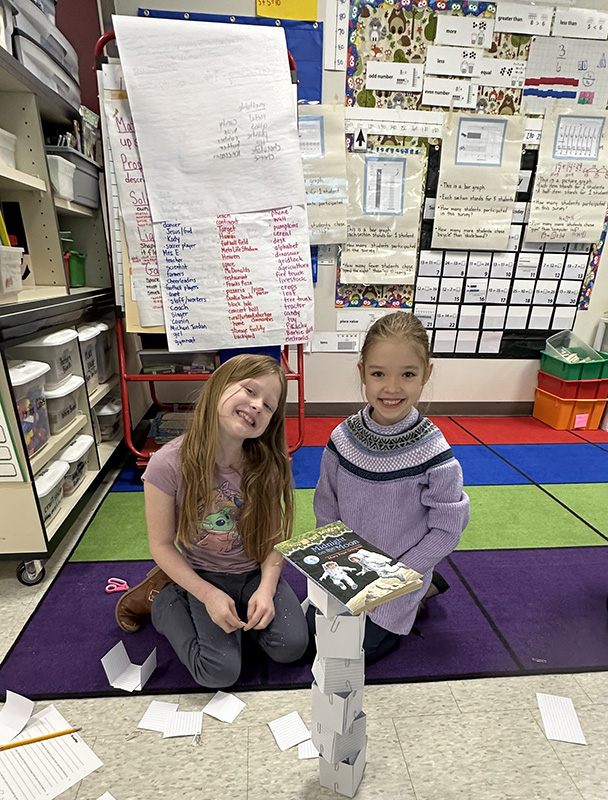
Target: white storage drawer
column 8, row 146
column 46, row 69
column 32, row 22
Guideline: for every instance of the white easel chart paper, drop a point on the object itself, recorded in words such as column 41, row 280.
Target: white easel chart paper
column 44, row 770
column 478, row 182
column 215, row 115
column 559, row 718
column 236, row 280
column 122, row 674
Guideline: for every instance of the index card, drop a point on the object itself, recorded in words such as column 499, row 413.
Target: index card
column 532, row 247
column 498, row 290
column 540, row 317
column 429, row 209
column 475, row 291
column 444, row 342
column 122, row 674
column 454, row 264
column 14, row 716
column 552, row 265
column 568, row 293
column 446, row 91
column 466, row 341
column 156, row 716
column 452, row 61
column 393, row 76
column 519, row 210
column 517, row 18
column 560, row 719
column 430, row 262
column 544, row 294
column 494, row 317
column 465, row 31
column 479, row 265
column 307, row 749
column 517, row 317
column 521, row 293
column 332, row 342
column 470, row 316
column 514, row 237
column 580, row 23
column 490, row 342
column 425, row 313
column 446, row 316
column 528, row 260
column 576, row 266
column 503, row 265
column 451, row 290
column 427, row 290
column 563, row 318
column 223, row 706
column 289, row 730
column 183, row 723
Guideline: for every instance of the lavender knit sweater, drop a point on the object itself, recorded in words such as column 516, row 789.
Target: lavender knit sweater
column 399, row 487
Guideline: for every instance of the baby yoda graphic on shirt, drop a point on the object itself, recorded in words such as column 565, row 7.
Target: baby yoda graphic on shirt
column 218, row 530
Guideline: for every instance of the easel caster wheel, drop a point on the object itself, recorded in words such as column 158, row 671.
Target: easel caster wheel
column 30, row 573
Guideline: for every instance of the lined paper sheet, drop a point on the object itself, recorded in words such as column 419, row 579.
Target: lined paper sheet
column 223, row 706
column 122, row 674
column 183, row 723
column 155, row 717
column 289, row 730
column 14, row 716
column 307, row 749
column 560, row 719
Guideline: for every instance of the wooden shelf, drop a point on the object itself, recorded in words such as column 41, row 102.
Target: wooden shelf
column 56, row 442
column 102, row 390
column 105, row 449
column 71, row 209
column 68, row 503
column 11, row 178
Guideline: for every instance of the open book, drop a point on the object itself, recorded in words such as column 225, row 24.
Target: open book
column 350, row 569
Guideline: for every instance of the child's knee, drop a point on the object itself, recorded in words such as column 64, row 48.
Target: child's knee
column 217, row 675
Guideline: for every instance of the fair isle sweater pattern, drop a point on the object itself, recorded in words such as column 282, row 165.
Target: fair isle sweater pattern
column 372, row 452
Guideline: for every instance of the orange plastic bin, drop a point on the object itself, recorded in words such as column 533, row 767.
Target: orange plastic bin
column 566, row 414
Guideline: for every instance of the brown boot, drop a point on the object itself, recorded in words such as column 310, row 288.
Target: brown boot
column 135, row 605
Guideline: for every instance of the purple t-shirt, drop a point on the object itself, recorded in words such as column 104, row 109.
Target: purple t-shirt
column 216, row 545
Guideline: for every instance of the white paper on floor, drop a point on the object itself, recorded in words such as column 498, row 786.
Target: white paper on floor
column 307, row 749
column 560, row 719
column 14, row 716
column 223, row 706
column 183, row 723
column 122, row 674
column 155, row 717
column 289, row 730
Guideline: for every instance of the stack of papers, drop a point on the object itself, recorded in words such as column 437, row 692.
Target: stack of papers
column 166, row 719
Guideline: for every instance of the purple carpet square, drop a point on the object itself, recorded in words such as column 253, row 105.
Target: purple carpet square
column 548, row 604
column 59, row 652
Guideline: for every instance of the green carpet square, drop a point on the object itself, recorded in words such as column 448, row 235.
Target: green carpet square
column 588, row 500
column 521, row 516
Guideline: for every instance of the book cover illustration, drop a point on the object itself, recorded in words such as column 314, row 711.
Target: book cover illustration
column 350, row 569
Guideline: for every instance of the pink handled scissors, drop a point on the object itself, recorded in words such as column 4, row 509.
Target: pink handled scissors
column 116, row 585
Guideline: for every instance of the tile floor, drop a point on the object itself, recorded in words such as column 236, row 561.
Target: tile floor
column 454, row 740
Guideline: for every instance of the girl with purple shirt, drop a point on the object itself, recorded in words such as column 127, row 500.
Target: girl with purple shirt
column 389, row 474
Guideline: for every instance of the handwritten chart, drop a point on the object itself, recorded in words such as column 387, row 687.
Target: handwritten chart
column 236, row 279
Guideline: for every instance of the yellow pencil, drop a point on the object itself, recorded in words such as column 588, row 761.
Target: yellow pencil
column 4, row 240
column 39, row 738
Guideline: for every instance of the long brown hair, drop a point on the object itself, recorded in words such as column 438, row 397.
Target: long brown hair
column 267, row 513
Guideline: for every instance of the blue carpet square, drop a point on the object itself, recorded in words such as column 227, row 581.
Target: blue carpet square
column 129, row 479
column 306, row 466
column 558, row 463
column 482, row 467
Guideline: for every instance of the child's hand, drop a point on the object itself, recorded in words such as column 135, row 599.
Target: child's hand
column 260, row 610
column 222, row 610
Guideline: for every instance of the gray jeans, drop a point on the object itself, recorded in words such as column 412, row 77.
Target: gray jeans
column 213, row 656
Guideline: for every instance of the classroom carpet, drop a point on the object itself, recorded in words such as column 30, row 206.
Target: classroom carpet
column 528, row 581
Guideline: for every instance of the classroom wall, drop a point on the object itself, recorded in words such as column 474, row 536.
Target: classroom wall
column 331, row 377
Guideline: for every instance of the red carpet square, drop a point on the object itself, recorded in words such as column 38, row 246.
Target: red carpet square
column 514, row 430
column 453, row 433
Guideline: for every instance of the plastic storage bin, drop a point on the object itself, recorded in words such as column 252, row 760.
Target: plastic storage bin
column 10, row 270
column 590, row 366
column 49, row 487
column 76, row 268
column 27, row 379
column 108, row 417
column 76, row 454
column 8, row 146
column 60, row 352
column 87, row 339
column 62, row 403
column 162, row 362
column 7, row 19
column 86, row 177
column 33, row 22
column 106, row 360
column 567, row 415
column 570, row 390
column 62, row 176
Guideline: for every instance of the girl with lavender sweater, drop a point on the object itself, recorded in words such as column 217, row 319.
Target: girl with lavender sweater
column 389, row 474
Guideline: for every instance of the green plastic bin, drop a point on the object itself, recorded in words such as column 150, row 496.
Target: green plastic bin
column 76, row 271
column 552, row 362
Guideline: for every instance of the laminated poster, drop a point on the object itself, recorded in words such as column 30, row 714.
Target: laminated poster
column 478, row 182
column 385, row 196
column 571, row 187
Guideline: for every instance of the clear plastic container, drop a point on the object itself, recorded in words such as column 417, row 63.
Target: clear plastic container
column 10, row 270
column 87, row 339
column 49, row 488
column 58, row 350
column 8, row 146
column 62, row 176
column 27, row 379
column 159, row 362
column 106, row 360
column 76, row 454
column 108, row 417
column 62, row 403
